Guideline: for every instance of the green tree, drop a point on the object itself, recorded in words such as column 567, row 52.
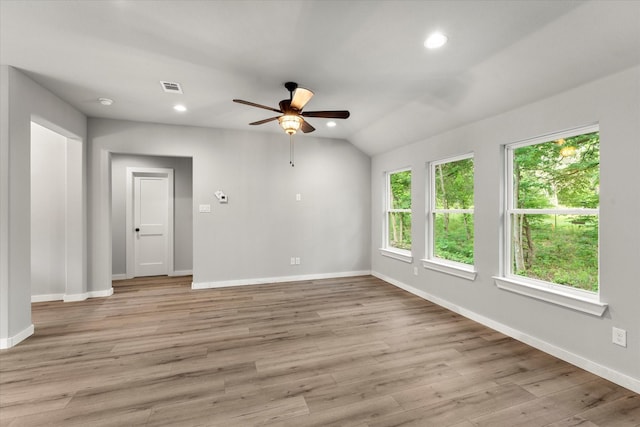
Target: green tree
column 558, row 174
column 454, row 190
column 400, row 222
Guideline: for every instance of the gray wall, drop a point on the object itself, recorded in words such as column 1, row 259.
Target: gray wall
column 253, row 236
column 183, row 202
column 48, row 212
column 22, row 100
column 613, row 102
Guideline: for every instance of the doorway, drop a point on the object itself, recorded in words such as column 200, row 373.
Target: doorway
column 149, row 222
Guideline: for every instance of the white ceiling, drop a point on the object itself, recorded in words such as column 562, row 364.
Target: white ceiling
column 364, row 56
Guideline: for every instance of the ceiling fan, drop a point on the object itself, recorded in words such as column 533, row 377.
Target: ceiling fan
column 291, row 109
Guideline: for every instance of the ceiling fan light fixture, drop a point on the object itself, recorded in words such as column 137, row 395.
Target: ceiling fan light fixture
column 290, row 123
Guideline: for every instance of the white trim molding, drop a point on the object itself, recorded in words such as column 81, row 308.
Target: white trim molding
column 17, row 338
column 282, row 279
column 75, row 297
column 571, row 298
column 399, row 254
column 86, row 295
column 46, row 297
column 579, row 361
column 454, row 269
column 118, row 276
column 181, row 273
column 101, row 294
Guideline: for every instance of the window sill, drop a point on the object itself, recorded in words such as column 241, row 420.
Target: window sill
column 452, row 268
column 398, row 254
column 587, row 303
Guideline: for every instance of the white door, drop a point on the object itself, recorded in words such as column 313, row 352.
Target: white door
column 151, row 221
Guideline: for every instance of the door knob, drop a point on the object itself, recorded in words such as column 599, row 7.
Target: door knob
column 137, row 229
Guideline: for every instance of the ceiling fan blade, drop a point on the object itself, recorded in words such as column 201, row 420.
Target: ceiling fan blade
column 259, row 122
column 306, row 127
column 300, row 98
column 340, row 114
column 253, row 104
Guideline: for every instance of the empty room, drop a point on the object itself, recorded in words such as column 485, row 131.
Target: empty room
column 319, row 213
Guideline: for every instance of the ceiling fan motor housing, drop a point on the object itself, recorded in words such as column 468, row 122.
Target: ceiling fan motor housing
column 291, row 86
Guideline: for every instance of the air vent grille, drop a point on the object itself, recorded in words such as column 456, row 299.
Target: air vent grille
column 171, row 87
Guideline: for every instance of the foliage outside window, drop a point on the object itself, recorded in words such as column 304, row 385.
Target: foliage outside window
column 552, row 214
column 399, row 210
column 452, row 210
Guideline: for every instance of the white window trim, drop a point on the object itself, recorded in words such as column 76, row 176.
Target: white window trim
column 386, row 250
column 453, row 268
column 399, row 254
column 576, row 299
column 432, row 262
column 565, row 296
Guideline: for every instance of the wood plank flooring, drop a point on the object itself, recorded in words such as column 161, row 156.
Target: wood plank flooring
column 338, row 352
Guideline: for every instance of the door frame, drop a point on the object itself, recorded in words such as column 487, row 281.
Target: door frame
column 133, row 172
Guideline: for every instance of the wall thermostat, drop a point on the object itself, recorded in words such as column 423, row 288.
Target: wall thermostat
column 222, row 198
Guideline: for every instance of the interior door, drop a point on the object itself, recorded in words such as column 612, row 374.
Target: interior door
column 151, row 217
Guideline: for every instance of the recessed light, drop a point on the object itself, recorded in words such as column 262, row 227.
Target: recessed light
column 331, row 124
column 105, row 101
column 180, row 107
column 435, row 40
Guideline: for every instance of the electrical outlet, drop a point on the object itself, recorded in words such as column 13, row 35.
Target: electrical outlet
column 619, row 337
column 297, row 260
column 293, row 261
column 415, row 271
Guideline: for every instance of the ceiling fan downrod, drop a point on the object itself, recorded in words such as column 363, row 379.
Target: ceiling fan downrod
column 291, row 87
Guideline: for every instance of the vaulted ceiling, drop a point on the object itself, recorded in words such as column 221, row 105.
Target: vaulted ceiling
column 364, row 56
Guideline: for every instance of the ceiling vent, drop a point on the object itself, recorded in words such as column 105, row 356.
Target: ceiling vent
column 171, row 87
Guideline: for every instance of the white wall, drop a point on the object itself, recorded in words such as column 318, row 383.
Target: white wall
column 183, row 202
column 254, row 235
column 21, row 102
column 614, row 103
column 48, row 213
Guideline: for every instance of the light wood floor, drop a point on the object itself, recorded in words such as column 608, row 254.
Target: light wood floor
column 344, row 352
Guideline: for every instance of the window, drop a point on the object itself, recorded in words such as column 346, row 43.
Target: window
column 398, row 215
column 551, row 221
column 450, row 216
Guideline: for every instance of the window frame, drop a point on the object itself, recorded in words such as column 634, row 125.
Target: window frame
column 386, row 249
column 563, row 295
column 431, row 261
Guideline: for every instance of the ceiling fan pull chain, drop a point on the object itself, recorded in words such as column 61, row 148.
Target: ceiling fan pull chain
column 291, row 154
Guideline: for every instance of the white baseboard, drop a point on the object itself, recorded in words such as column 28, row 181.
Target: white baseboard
column 71, row 297
column 83, row 296
column 100, row 294
column 123, row 276
column 181, row 273
column 47, row 297
column 75, row 297
column 579, row 361
column 17, row 338
column 245, row 282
